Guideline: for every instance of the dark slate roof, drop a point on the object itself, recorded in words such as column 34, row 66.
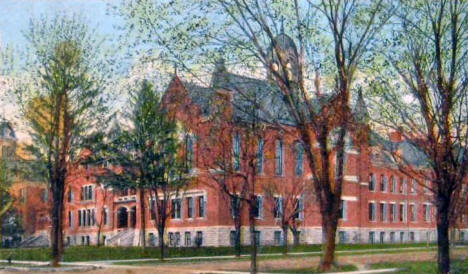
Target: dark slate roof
column 266, row 94
column 382, row 149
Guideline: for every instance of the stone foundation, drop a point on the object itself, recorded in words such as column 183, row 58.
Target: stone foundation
column 220, row 236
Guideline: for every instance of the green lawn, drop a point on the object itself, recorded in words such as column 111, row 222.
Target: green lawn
column 458, row 267
column 92, row 253
column 342, row 268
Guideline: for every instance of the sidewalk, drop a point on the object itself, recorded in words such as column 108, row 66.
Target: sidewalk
column 223, row 257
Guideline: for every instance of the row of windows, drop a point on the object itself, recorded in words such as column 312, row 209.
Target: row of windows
column 87, row 193
column 176, row 208
column 398, row 213
column 279, row 156
column 277, row 210
column 174, row 239
column 396, row 185
column 392, row 239
column 86, row 217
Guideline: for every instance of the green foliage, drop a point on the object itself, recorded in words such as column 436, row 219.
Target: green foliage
column 61, row 95
column 145, row 154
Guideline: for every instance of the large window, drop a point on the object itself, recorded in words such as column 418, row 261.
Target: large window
column 189, row 154
column 87, row 193
column 188, row 239
column 394, row 212
column 413, row 188
column 383, row 212
column 70, row 219
column 299, row 208
column 176, row 208
column 278, row 210
column 427, row 212
column 299, row 159
column 190, row 207
column 413, row 212
column 71, row 195
column 258, row 210
column 403, row 186
column 201, row 206
column 372, row 182
column 260, row 155
column 403, row 212
column 237, row 151
column 372, row 212
column 279, row 157
column 394, row 184
column 86, row 217
column 383, row 183
column 343, row 210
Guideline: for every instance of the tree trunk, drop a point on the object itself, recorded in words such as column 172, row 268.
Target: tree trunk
column 143, row 219
column 237, row 237
column 443, row 241
column 285, row 239
column 161, row 242
column 295, row 236
column 57, row 224
column 99, row 236
column 329, row 226
column 253, row 242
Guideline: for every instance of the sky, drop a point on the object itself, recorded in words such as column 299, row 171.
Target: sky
column 16, row 14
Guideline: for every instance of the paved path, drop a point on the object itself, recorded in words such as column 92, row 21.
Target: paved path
column 212, row 265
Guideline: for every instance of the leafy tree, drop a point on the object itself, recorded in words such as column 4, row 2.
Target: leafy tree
column 146, row 156
column 311, row 51
column 422, row 94
column 62, row 99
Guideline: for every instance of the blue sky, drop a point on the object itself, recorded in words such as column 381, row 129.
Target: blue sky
column 15, row 15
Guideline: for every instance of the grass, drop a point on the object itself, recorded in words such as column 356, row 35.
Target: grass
column 265, row 257
column 457, row 267
column 92, row 253
column 342, row 268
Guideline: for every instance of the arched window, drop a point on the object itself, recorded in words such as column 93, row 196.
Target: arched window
column 383, row 183
column 237, row 151
column 279, row 157
column 394, row 184
column 299, row 158
column 372, row 182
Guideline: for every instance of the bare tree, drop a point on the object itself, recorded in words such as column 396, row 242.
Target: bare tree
column 103, row 214
column 287, row 201
column 236, row 142
column 291, row 41
column 424, row 97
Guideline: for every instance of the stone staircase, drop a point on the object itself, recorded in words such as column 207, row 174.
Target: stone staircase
column 35, row 241
column 123, row 238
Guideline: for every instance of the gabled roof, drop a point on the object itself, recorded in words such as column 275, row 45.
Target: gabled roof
column 382, row 149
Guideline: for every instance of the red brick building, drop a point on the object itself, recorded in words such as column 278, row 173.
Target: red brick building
column 380, row 204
